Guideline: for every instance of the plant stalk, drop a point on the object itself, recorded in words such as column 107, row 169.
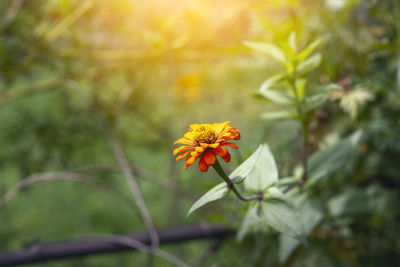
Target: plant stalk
column 304, row 129
column 217, row 167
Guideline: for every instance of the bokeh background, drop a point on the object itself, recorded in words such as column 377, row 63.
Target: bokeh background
column 72, row 73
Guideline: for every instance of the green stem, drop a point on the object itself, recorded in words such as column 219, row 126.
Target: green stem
column 304, row 128
column 230, row 184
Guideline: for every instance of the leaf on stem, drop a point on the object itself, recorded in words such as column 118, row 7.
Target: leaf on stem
column 312, row 213
column 292, row 41
column 250, row 219
column 268, row 90
column 320, row 96
column 243, row 170
column 327, row 161
column 309, row 64
column 310, row 48
column 261, row 170
column 354, row 201
column 215, row 193
column 278, row 115
column 281, row 214
column 269, row 49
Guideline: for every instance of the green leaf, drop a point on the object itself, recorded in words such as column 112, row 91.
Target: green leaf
column 309, row 64
column 269, row 49
column 267, row 90
column 354, row 201
column 251, row 218
column 282, row 215
column 277, row 97
column 278, row 115
column 263, row 173
column 241, row 172
column 327, row 87
column 286, row 247
column 320, row 96
column 289, row 52
column 312, row 213
column 309, row 49
column 300, row 87
column 315, row 101
column 325, row 162
column 287, row 181
column 237, row 176
column 217, row 192
column 292, row 42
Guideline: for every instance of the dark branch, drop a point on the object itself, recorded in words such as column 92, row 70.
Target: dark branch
column 39, row 252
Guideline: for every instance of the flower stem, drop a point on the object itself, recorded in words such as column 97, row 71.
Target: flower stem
column 231, row 185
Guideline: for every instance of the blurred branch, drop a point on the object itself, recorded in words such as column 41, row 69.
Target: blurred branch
column 151, row 56
column 162, row 181
column 69, row 20
column 199, row 261
column 132, row 243
column 8, row 96
column 142, row 173
column 11, row 13
column 137, row 193
column 60, row 176
column 40, row 252
column 128, row 173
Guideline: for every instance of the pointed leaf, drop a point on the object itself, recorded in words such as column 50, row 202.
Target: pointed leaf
column 251, row 218
column 267, row 90
column 354, row 201
column 269, row 49
column 241, row 172
column 320, row 96
column 312, row 213
column 292, row 41
column 278, row 115
column 325, row 162
column 315, row 101
column 310, row 48
column 282, row 215
column 264, row 172
column 217, row 192
column 309, row 64
column 300, row 87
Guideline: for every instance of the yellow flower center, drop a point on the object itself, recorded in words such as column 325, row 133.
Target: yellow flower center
column 204, row 134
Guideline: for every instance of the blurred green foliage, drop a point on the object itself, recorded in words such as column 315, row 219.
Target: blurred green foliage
column 147, row 69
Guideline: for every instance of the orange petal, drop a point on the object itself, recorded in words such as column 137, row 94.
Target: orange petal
column 203, row 165
column 220, row 151
column 195, row 154
column 227, row 157
column 209, row 158
column 237, row 136
column 231, row 145
column 181, row 148
column 231, row 135
column 190, row 160
column 182, row 155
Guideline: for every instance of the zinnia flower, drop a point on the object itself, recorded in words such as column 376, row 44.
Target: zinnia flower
column 206, row 141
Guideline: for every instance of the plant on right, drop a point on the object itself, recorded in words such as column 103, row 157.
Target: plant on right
column 329, row 203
